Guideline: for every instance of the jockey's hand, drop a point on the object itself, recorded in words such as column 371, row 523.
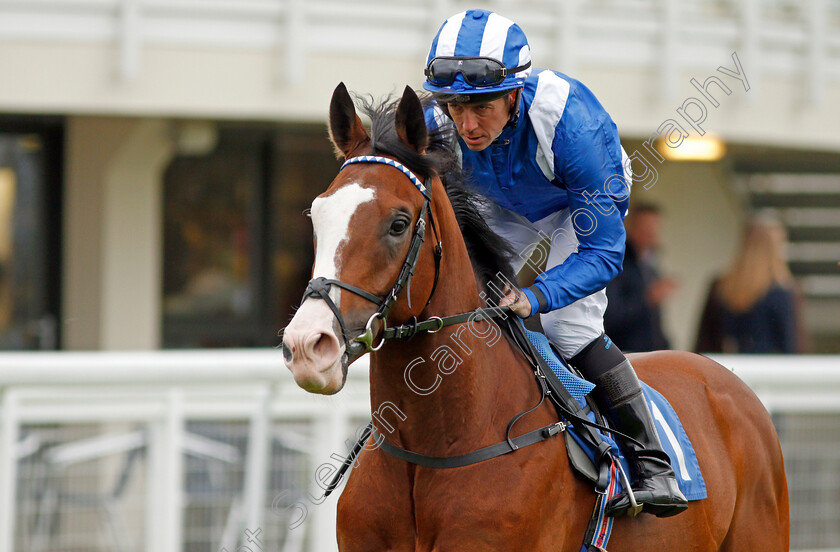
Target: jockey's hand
column 517, row 301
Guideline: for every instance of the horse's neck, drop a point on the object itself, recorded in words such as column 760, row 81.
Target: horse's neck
column 450, row 392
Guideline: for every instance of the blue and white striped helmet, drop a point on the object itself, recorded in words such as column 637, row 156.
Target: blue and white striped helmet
column 481, row 34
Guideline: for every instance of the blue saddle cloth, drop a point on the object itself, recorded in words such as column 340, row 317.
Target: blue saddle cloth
column 674, row 440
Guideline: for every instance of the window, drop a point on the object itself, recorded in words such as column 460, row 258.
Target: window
column 237, row 247
column 30, row 177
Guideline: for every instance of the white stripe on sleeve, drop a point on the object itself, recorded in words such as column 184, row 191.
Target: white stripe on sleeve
column 628, row 172
column 545, row 113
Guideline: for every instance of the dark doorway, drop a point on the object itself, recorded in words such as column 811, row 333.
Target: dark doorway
column 30, row 229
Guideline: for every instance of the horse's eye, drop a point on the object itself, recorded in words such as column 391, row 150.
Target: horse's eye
column 398, row 227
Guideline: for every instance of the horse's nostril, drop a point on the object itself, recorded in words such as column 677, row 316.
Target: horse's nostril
column 325, row 346
column 287, row 353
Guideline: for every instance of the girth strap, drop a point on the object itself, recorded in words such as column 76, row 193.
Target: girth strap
column 474, row 457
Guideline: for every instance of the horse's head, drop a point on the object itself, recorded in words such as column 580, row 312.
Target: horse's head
column 364, row 227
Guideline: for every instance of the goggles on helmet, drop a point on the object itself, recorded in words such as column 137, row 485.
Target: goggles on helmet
column 477, row 71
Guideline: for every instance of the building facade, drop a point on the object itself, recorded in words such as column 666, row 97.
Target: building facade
column 156, row 157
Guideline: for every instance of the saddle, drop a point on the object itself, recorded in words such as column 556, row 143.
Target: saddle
column 592, row 450
column 584, row 456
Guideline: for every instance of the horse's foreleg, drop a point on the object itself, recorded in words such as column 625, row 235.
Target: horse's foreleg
column 374, row 511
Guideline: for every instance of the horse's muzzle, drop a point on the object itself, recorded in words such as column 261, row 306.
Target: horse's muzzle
column 312, row 351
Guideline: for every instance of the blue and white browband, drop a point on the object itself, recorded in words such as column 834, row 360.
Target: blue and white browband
column 386, row 161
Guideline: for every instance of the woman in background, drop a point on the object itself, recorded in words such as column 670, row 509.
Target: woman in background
column 753, row 307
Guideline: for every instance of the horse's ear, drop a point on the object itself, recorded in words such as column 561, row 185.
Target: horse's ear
column 346, row 129
column 410, row 122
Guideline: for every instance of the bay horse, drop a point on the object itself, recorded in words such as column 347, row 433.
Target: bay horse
column 450, row 390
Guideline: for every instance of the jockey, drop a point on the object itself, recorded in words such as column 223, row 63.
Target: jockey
column 541, row 147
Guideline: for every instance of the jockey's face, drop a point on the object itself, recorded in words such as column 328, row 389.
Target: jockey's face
column 479, row 124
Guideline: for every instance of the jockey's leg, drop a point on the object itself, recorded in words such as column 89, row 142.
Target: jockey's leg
column 577, row 331
column 619, row 394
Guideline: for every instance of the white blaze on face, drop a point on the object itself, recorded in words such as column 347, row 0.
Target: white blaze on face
column 331, row 222
column 312, row 350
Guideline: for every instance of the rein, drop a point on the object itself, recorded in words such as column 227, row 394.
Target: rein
column 435, row 323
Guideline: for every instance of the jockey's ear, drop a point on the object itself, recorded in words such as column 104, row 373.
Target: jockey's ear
column 410, row 122
column 514, row 105
column 346, row 129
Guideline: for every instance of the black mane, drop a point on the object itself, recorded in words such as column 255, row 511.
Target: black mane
column 489, row 253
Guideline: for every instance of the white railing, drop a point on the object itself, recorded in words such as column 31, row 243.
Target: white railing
column 801, row 383
column 162, row 393
column 773, row 37
column 67, row 418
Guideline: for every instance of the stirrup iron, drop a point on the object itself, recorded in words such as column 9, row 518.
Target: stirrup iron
column 635, row 508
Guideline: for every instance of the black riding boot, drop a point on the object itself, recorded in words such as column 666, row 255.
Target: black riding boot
column 619, row 395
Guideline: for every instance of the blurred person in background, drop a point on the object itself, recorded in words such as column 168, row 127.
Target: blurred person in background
column 754, row 306
column 5, row 299
column 633, row 318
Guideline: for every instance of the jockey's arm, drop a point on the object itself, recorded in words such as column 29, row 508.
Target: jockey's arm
column 588, row 160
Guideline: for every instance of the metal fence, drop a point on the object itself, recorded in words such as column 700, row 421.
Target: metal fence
column 802, row 394
column 205, row 451
column 192, row 451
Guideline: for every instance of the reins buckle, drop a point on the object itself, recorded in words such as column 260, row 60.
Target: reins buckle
column 367, row 337
column 554, row 429
column 440, row 325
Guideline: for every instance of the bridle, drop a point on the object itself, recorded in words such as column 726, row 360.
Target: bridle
column 320, row 287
